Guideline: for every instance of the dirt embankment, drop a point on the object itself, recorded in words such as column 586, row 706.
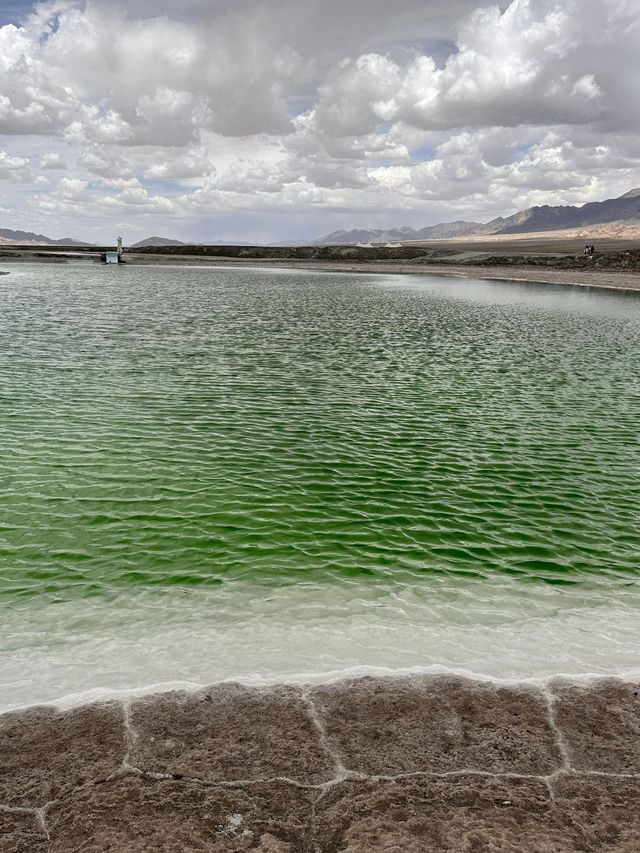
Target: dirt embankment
column 358, row 254
column 627, row 260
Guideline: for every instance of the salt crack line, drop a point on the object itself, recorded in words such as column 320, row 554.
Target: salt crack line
column 130, row 735
column 314, row 716
column 561, row 743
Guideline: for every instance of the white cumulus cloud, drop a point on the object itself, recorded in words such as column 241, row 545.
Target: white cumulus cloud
column 315, row 108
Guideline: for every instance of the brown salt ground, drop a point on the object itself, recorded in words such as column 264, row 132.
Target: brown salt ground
column 426, row 763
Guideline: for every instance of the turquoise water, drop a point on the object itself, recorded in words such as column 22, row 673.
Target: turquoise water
column 275, row 462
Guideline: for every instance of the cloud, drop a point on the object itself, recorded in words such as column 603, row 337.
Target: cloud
column 536, row 63
column 416, row 108
column 72, row 188
column 12, row 168
column 142, row 73
column 53, row 160
column 100, row 73
column 181, row 165
column 99, row 161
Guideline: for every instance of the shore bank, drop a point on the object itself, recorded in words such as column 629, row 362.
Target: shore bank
column 409, row 763
column 590, row 278
column 601, row 279
column 629, row 282
column 615, row 267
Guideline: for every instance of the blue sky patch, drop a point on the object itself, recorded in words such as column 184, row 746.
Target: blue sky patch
column 162, row 186
column 14, row 11
column 423, row 154
column 520, row 150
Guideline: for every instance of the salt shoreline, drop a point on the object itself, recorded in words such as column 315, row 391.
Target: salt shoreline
column 624, row 282
column 414, row 762
column 619, row 281
column 628, row 283
column 104, row 695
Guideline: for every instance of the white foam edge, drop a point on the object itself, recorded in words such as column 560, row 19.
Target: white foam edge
column 100, row 695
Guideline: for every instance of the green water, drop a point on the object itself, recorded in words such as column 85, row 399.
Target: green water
column 190, row 429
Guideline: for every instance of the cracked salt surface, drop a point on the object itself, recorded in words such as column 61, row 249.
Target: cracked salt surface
column 583, row 703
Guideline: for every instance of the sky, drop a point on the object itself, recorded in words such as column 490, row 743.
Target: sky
column 282, row 120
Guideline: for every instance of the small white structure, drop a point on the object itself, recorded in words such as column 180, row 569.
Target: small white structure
column 114, row 257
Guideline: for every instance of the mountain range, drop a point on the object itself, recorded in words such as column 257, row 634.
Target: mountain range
column 28, row 238
column 613, row 212
column 618, row 217
column 169, row 241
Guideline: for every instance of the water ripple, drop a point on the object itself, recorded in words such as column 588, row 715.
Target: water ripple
column 178, row 428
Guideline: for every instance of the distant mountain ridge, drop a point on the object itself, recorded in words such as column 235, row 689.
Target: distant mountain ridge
column 168, row 241
column 443, row 231
column 621, row 214
column 626, row 208
column 28, row 238
column 548, row 218
column 156, row 241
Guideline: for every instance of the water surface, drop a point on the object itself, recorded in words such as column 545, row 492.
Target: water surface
column 212, row 473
